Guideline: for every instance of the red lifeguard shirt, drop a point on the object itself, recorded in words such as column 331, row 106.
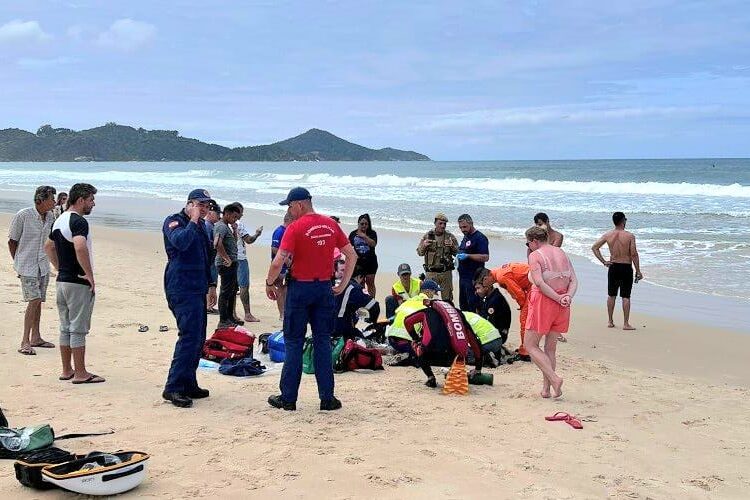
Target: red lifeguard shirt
column 311, row 240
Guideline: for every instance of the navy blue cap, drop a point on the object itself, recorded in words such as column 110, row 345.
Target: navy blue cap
column 199, row 195
column 296, row 194
column 430, row 285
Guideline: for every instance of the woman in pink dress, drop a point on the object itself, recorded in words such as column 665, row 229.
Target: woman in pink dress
column 554, row 285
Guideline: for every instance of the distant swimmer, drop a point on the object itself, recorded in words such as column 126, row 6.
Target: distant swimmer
column 623, row 255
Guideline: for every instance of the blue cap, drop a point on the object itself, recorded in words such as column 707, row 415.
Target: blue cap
column 199, row 195
column 296, row 194
column 430, row 285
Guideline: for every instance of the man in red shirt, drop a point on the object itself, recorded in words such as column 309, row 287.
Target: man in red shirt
column 308, row 243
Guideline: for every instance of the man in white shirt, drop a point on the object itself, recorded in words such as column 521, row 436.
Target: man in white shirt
column 27, row 235
column 243, row 268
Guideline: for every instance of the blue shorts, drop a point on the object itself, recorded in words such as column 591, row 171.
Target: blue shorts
column 243, row 274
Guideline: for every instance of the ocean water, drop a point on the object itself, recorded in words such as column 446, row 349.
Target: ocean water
column 691, row 217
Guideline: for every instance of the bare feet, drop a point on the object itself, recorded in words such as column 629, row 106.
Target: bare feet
column 627, row 326
column 610, row 325
column 561, row 338
column 66, row 375
column 251, row 319
column 557, row 388
column 545, row 388
column 88, row 378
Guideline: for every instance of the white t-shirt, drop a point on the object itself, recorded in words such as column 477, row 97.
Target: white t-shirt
column 241, row 233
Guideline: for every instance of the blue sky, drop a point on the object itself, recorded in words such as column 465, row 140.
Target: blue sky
column 454, row 80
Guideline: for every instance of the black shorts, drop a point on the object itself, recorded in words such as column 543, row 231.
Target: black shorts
column 620, row 276
column 367, row 266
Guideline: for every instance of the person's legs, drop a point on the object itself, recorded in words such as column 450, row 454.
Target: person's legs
column 281, row 299
column 464, row 293
column 31, row 322
column 65, row 351
column 243, row 282
column 321, row 322
column 202, row 322
column 625, row 290
column 550, row 349
column 542, row 361
column 80, row 307
column 295, row 326
column 370, row 284
column 189, row 311
column 626, row 314
column 446, row 285
column 390, row 306
column 227, row 293
column 522, row 320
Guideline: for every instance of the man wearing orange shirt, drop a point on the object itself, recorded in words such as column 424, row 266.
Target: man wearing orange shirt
column 514, row 277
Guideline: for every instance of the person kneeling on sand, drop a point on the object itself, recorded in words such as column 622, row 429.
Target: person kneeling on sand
column 396, row 333
column 349, row 303
column 554, row 285
column 490, row 340
column 444, row 335
column 405, row 288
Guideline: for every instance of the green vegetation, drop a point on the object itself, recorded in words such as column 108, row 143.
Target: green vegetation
column 113, row 142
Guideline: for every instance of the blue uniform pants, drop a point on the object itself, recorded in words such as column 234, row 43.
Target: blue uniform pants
column 468, row 300
column 190, row 313
column 313, row 303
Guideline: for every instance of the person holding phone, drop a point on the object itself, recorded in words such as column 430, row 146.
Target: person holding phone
column 438, row 247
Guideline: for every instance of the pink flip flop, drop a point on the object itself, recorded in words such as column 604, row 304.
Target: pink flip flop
column 557, row 416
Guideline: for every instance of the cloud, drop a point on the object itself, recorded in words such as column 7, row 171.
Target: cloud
column 23, row 31
column 127, row 34
column 562, row 115
column 33, row 63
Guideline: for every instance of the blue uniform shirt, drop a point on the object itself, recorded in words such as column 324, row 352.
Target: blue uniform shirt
column 474, row 243
column 347, row 304
column 188, row 248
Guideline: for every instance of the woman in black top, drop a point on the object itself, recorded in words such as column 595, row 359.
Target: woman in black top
column 364, row 240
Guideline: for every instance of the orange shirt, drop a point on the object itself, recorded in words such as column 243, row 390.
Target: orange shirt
column 514, row 277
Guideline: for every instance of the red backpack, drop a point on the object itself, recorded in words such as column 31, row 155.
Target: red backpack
column 233, row 342
column 355, row 357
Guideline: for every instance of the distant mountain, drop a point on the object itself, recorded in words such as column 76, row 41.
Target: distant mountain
column 113, row 142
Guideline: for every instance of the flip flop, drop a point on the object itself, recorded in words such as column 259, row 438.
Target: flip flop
column 574, row 422
column 212, row 311
column 27, row 351
column 44, row 345
column 93, row 379
column 163, row 328
column 558, row 416
column 69, row 377
column 143, row 328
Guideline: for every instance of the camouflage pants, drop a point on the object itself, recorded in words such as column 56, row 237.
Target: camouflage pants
column 445, row 281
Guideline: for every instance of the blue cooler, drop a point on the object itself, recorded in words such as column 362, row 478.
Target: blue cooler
column 276, row 347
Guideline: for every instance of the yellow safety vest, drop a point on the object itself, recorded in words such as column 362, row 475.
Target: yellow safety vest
column 413, row 288
column 482, row 328
column 397, row 329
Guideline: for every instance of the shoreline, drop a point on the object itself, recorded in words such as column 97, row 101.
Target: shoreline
column 649, row 299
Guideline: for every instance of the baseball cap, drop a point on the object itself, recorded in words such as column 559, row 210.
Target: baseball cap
column 213, row 206
column 430, row 285
column 403, row 269
column 441, row 216
column 296, row 194
column 199, row 195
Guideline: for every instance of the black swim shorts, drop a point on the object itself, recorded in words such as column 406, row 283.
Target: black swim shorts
column 620, row 276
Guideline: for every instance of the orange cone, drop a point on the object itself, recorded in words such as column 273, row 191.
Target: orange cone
column 457, row 382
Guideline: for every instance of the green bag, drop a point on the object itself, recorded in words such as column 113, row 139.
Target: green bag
column 336, row 353
column 308, row 362
column 26, row 439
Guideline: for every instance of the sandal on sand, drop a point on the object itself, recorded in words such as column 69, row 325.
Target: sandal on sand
column 143, row 328
column 93, row 379
column 574, row 423
column 163, row 328
column 69, row 377
column 27, row 351
column 45, row 345
column 565, row 417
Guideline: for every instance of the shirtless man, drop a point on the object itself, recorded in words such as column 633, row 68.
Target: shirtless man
column 555, row 238
column 622, row 257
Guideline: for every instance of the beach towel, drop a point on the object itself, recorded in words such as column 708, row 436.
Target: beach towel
column 243, row 367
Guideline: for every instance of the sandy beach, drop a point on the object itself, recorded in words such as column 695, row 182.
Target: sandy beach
column 665, row 409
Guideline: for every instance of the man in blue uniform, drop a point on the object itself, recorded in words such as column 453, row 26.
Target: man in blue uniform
column 186, row 280
column 348, row 303
column 473, row 252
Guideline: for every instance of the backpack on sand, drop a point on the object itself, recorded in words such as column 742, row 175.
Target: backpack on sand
column 355, row 357
column 228, row 343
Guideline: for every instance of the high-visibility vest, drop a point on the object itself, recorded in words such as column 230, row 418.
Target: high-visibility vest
column 414, row 285
column 483, row 329
column 397, row 329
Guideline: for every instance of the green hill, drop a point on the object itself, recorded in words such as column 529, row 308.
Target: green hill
column 113, row 142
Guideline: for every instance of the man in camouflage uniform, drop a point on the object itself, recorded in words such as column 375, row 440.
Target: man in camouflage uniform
column 438, row 247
